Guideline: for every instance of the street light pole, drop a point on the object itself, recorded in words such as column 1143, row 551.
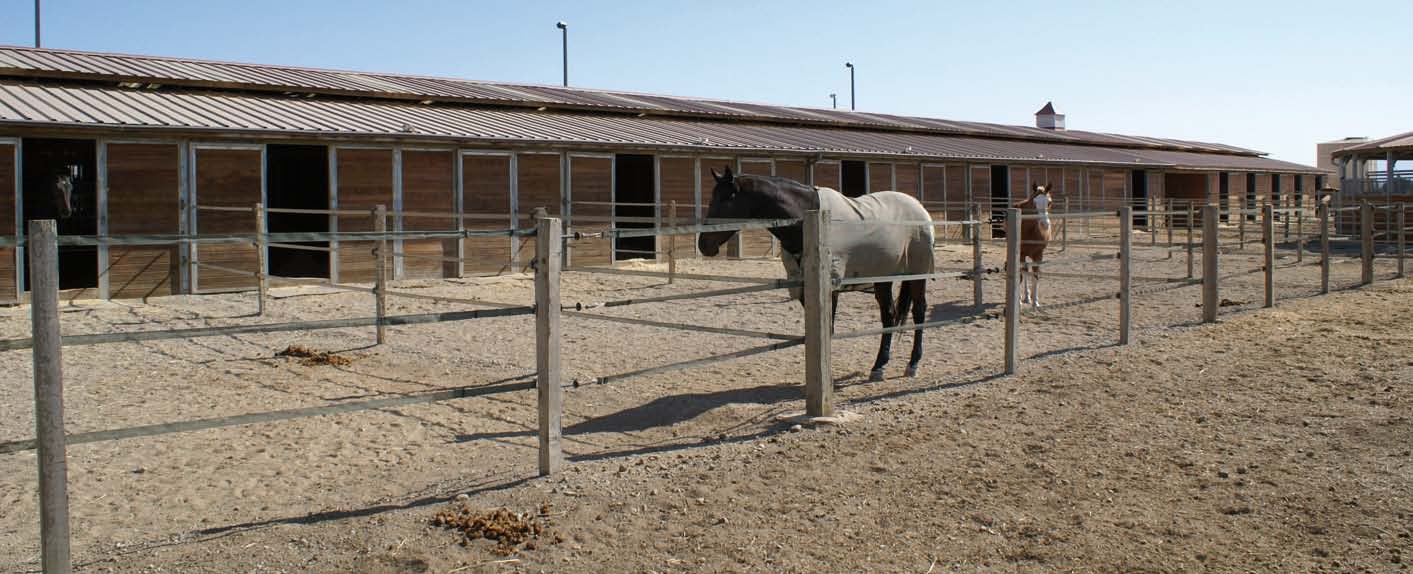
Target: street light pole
column 833, row 101
column 36, row 23
column 564, row 36
column 850, row 66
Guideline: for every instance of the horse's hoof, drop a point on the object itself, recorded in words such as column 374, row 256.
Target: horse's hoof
column 875, row 376
column 911, row 371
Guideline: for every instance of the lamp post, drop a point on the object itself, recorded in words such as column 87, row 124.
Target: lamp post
column 564, row 43
column 833, row 101
column 36, row 23
column 850, row 66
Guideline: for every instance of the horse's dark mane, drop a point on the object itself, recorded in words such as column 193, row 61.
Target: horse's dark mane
column 809, row 194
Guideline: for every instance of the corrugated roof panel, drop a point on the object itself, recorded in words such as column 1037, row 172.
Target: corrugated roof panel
column 40, row 104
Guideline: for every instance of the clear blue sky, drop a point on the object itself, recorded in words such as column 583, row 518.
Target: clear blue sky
column 1277, row 76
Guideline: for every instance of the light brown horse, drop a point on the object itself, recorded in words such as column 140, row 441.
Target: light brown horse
column 1035, row 235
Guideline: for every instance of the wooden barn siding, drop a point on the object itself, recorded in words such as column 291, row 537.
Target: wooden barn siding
column 934, row 190
column 591, row 179
column 1072, row 188
column 143, row 197
column 981, row 185
column 365, row 181
column 1263, row 188
column 793, row 169
column 1236, row 190
column 880, row 177
column 1020, row 177
column 906, row 177
column 9, row 274
column 1287, row 191
column 755, row 242
column 231, row 178
column 485, row 191
column 538, row 185
column 827, row 175
column 428, row 185
column 678, row 182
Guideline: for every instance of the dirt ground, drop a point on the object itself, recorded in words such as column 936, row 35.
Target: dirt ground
column 1274, row 441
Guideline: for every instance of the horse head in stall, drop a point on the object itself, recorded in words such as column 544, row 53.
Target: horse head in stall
column 65, row 181
column 879, row 234
column 1035, row 235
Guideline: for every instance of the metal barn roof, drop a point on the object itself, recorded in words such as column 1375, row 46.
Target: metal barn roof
column 1397, row 142
column 68, row 88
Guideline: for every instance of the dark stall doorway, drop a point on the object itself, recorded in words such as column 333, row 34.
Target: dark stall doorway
column 297, row 177
column 1140, row 198
column 1224, row 195
column 1000, row 198
column 1250, row 196
column 43, row 161
column 633, row 184
column 1276, row 196
column 853, row 177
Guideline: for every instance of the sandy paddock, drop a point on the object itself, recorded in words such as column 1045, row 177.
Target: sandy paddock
column 1075, row 463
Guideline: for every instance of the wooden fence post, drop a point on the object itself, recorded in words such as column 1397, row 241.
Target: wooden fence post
column 1013, row 263
column 1366, row 243
column 1152, row 221
column 1300, row 235
column 548, row 260
column 1285, row 227
column 1324, row 212
column 1125, row 273
column 1168, row 224
column 49, row 398
column 672, row 242
column 1209, row 264
column 1064, row 229
column 1268, row 240
column 1190, row 216
column 976, row 270
column 1401, row 221
column 261, row 257
column 818, row 288
column 380, row 296
column 1241, row 228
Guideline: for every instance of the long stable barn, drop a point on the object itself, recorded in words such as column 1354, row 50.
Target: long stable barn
column 184, row 147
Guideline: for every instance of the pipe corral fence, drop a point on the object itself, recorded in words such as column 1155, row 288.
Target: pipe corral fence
column 1188, row 228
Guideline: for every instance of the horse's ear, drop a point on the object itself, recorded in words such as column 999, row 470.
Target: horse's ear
column 714, row 175
column 729, row 175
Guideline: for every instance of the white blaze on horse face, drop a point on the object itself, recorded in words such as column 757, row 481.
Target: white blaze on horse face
column 1042, row 208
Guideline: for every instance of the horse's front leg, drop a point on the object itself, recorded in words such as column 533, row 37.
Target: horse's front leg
column 1035, row 282
column 883, row 293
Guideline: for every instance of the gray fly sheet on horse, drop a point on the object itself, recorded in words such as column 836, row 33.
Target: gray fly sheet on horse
column 882, row 233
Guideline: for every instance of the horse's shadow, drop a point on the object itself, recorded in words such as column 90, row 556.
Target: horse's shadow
column 952, row 310
column 662, row 411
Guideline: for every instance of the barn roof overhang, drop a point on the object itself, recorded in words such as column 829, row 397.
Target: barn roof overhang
column 204, row 113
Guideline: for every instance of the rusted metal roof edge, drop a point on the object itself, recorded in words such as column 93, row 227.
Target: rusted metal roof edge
column 245, row 134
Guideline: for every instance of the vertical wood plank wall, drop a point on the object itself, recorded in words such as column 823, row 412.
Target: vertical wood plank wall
column 880, row 176
column 934, row 190
column 678, row 182
column 428, row 186
column 365, row 181
column 485, row 189
column 9, row 274
column 827, row 174
column 230, row 178
column 591, row 179
column 793, row 169
column 143, row 197
column 537, row 185
column 906, row 177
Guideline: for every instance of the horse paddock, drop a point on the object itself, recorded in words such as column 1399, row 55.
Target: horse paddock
column 1275, row 440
